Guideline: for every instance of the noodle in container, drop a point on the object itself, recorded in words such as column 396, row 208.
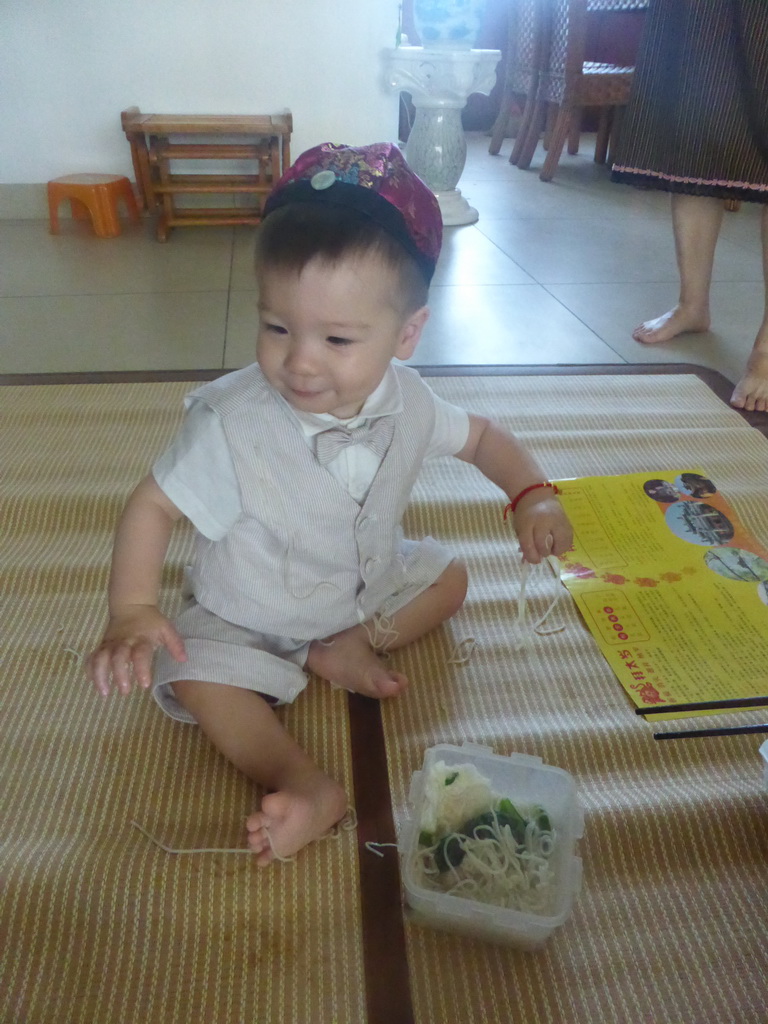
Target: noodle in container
column 488, row 847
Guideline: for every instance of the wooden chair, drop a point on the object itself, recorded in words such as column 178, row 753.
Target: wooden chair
column 528, row 40
column 570, row 83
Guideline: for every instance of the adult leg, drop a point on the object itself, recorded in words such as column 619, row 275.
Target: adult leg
column 752, row 390
column 696, row 224
column 302, row 803
column 349, row 658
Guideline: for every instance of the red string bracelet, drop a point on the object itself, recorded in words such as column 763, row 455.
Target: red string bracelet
column 527, row 490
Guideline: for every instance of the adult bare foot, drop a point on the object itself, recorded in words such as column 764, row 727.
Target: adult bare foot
column 680, row 320
column 348, row 660
column 751, row 393
column 289, row 819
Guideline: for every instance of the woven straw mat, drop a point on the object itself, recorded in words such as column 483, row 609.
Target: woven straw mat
column 98, row 925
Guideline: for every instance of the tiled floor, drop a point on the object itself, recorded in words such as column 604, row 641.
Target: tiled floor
column 551, row 273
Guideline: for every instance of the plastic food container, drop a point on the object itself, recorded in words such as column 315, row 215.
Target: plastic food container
column 526, row 781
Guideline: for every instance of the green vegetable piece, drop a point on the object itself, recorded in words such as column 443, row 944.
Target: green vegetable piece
column 450, row 852
column 426, row 838
column 508, row 814
column 542, row 819
column 451, row 778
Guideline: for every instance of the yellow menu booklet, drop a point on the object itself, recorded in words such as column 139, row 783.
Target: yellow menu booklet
column 673, row 587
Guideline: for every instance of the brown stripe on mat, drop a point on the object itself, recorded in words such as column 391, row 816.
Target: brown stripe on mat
column 386, row 967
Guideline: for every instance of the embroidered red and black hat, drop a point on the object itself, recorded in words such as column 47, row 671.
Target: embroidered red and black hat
column 376, row 181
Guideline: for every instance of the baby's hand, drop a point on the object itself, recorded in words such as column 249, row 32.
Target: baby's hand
column 125, row 652
column 542, row 527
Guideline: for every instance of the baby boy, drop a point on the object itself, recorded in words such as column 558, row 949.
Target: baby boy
column 296, row 472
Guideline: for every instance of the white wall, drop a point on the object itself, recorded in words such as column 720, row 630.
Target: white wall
column 70, row 66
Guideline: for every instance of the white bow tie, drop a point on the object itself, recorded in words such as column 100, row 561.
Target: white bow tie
column 376, row 435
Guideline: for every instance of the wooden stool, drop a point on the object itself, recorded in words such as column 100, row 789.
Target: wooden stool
column 95, row 196
column 160, row 141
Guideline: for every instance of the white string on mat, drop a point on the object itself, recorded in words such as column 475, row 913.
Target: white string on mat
column 376, row 848
column 524, row 628
column 76, row 654
column 347, row 824
column 462, row 651
column 201, row 849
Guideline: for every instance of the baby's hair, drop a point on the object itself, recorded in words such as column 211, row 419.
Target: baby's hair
column 293, row 235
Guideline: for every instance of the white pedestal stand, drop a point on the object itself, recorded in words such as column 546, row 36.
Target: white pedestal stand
column 440, row 81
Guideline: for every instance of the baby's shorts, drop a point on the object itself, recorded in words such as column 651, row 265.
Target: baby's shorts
column 222, row 652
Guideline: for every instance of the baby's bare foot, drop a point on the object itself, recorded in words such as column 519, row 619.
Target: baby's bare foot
column 680, row 320
column 751, row 393
column 294, row 816
column 349, row 661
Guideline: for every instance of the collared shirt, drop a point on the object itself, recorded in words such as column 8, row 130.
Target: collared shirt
column 196, row 472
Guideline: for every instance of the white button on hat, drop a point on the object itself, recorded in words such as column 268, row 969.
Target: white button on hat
column 322, row 180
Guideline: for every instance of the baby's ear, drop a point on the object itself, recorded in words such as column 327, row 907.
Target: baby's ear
column 411, row 332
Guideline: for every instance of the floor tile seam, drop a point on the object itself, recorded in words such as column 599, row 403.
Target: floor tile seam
column 118, row 294
column 585, row 324
column 572, row 284
column 476, row 284
column 623, row 217
column 638, row 283
column 672, row 279
column 718, row 279
column 501, row 252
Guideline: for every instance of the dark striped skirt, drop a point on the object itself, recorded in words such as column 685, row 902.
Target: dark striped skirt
column 697, row 120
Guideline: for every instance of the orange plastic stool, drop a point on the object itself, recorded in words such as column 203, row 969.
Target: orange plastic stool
column 95, row 196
